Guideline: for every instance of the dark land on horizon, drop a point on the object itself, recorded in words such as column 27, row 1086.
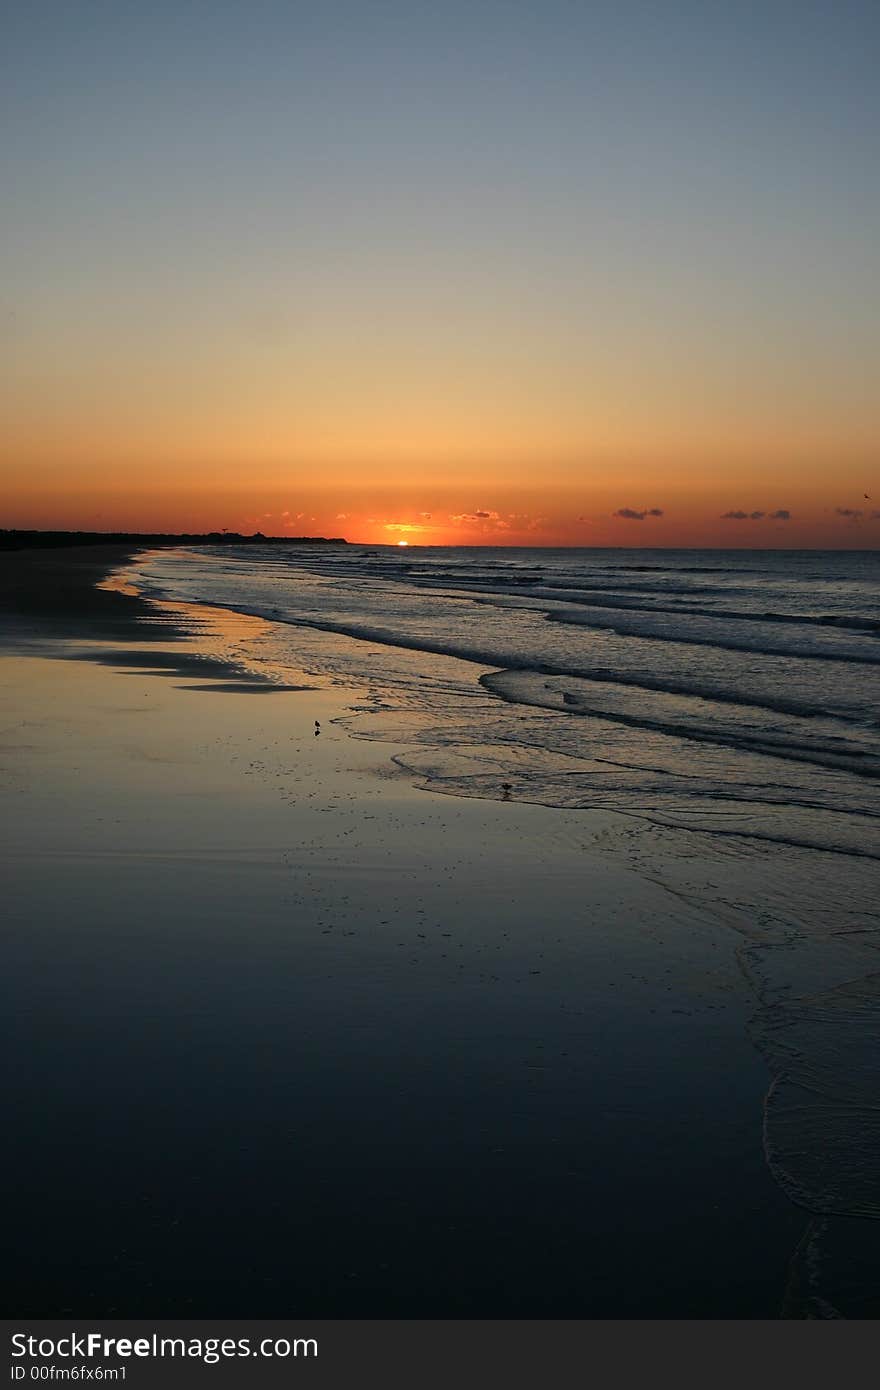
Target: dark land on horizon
column 14, row 539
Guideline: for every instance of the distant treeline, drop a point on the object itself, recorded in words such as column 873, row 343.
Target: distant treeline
column 28, row 540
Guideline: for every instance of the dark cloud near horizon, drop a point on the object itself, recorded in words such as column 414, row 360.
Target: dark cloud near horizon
column 475, row 516
column 630, row 514
column 783, row 514
column 853, row 513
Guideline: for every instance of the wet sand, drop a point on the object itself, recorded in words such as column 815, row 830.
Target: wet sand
column 54, row 594
column 293, row 1036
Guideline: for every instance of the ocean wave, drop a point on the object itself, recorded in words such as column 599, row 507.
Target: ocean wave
column 487, row 656
column 651, row 602
column 836, row 755
column 703, row 637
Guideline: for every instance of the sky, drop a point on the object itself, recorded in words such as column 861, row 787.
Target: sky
column 492, row 272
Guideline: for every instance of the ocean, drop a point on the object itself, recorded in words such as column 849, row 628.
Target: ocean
column 731, row 692
column 723, row 705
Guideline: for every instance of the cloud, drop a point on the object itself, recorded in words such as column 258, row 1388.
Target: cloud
column 854, row 513
column 781, row 515
column 629, row 514
column 475, row 516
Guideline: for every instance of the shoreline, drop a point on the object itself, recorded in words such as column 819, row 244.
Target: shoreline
column 59, row 602
column 426, row 1056
column 54, row 594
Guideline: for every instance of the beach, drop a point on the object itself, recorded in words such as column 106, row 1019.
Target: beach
column 297, row 1034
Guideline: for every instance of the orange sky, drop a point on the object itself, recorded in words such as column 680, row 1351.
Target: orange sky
column 127, row 411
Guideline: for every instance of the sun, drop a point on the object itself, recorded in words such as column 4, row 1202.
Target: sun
column 403, row 542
